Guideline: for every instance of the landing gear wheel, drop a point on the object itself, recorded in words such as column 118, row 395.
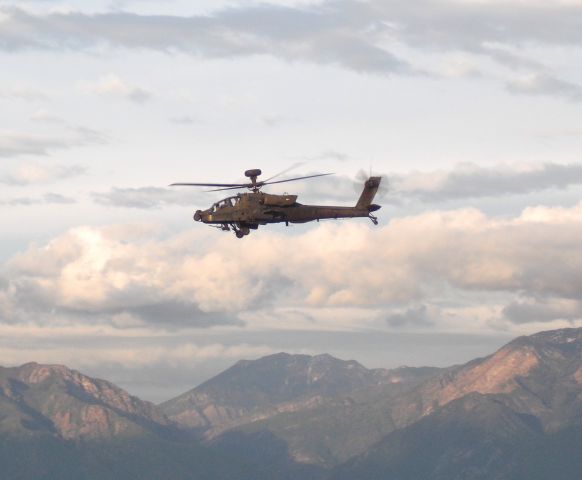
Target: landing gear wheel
column 239, row 234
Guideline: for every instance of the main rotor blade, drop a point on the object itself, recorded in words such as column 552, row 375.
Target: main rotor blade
column 298, row 178
column 207, row 185
column 295, row 165
column 237, row 187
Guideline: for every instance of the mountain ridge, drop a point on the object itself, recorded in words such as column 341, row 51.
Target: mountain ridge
column 508, row 415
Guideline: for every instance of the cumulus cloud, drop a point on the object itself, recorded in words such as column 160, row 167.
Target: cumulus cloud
column 198, row 280
column 112, row 85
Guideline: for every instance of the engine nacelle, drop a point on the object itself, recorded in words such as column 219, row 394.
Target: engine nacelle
column 255, row 172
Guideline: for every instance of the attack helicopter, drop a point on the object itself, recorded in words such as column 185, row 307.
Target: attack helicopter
column 246, row 211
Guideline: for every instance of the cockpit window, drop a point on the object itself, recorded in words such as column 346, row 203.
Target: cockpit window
column 227, row 202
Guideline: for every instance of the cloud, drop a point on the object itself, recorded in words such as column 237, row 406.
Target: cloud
column 112, row 85
column 374, row 36
column 129, row 276
column 22, row 92
column 46, row 199
column 472, row 181
column 539, row 84
column 33, row 174
column 543, row 310
column 134, row 357
column 414, row 316
column 312, row 34
column 151, row 197
column 347, row 32
column 47, row 117
column 464, row 181
column 184, row 120
column 331, row 155
column 14, row 144
column 51, row 281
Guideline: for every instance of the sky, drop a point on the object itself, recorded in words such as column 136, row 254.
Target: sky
column 470, row 110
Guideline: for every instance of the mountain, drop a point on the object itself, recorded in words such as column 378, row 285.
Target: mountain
column 516, row 414
column 280, row 383
column 325, row 409
column 513, row 415
column 56, row 400
column 539, row 375
column 56, row 423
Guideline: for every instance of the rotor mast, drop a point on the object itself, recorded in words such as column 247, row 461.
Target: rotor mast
column 253, row 174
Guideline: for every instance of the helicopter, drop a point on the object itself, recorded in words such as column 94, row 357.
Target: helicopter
column 246, row 211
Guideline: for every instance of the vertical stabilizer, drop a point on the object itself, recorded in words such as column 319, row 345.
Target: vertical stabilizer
column 370, row 188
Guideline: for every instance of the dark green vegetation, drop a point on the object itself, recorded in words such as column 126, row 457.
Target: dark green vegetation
column 516, row 414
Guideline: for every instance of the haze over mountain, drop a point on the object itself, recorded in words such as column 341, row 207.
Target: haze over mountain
column 514, row 414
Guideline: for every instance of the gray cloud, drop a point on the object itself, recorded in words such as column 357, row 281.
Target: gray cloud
column 112, row 85
column 57, row 198
column 471, row 181
column 172, row 314
column 546, row 85
column 31, row 174
column 19, row 144
column 416, row 316
column 320, row 36
column 152, row 197
column 351, row 33
column 331, row 155
column 543, row 309
column 465, row 181
column 22, row 93
column 356, row 35
column 46, row 199
column 184, row 120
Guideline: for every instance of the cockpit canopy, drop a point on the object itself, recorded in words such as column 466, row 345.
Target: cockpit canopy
column 224, row 203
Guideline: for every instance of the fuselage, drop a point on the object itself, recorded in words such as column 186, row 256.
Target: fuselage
column 260, row 209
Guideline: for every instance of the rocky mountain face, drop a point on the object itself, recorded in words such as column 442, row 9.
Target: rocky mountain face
column 64, row 402
column 329, row 412
column 56, row 423
column 325, row 410
column 281, row 383
column 538, row 375
column 515, row 414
